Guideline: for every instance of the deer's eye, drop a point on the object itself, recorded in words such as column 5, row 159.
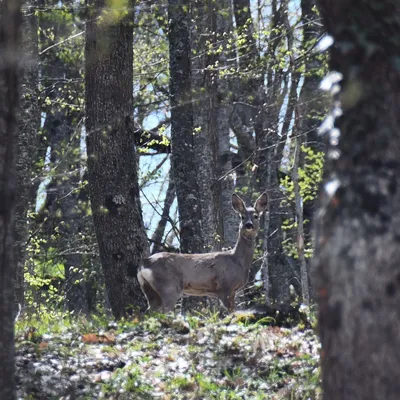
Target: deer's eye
column 255, row 216
column 243, row 217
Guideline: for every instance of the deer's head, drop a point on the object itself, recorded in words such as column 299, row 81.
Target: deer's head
column 250, row 223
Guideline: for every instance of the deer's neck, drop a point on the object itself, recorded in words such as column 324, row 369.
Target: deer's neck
column 244, row 251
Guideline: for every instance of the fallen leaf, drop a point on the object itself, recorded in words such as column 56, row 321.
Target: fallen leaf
column 43, row 345
column 93, row 338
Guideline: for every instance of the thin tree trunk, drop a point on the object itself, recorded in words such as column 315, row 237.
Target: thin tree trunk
column 312, row 97
column 313, row 101
column 63, row 133
column 159, row 232
column 27, row 146
column 249, row 92
column 269, row 163
column 276, row 260
column 112, row 169
column 211, row 118
column 182, row 128
column 204, row 81
column 76, row 281
column 299, row 218
column 357, row 243
column 10, row 21
column 223, row 99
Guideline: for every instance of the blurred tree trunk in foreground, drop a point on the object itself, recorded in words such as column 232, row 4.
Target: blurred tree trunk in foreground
column 10, row 21
column 358, row 229
column 27, row 142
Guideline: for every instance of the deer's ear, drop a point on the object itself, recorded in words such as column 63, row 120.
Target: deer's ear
column 238, row 204
column 261, row 203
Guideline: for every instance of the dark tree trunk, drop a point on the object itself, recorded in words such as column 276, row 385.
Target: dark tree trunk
column 313, row 101
column 159, row 232
column 222, row 91
column 182, row 128
column 65, row 215
column 27, row 142
column 249, row 91
column 269, row 162
column 212, row 98
column 278, row 272
column 76, row 284
column 204, row 82
column 10, row 20
column 112, row 166
column 311, row 96
column 357, row 249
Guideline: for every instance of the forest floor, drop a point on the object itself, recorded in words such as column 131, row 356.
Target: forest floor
column 167, row 357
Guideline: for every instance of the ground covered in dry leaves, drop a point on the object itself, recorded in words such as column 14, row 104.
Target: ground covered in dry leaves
column 167, row 357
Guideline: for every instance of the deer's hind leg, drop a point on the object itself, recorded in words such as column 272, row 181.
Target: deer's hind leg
column 170, row 294
column 153, row 298
column 170, row 291
column 228, row 301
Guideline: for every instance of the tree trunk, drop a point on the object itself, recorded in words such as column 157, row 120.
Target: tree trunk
column 313, row 101
column 276, row 259
column 159, row 232
column 211, row 120
column 304, row 279
column 62, row 129
column 10, row 20
column 223, row 106
column 269, row 162
column 182, row 128
column 27, row 142
column 204, row 81
column 311, row 96
column 248, row 92
column 112, row 167
column 357, row 249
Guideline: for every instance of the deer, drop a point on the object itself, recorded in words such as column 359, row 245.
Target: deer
column 165, row 277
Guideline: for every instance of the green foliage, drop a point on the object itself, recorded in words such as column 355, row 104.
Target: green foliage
column 310, row 176
column 128, row 380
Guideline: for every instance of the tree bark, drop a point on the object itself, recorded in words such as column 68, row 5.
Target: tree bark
column 212, row 109
column 61, row 127
column 10, row 20
column 248, row 92
column 204, row 81
column 311, row 96
column 269, row 162
column 304, row 279
column 112, row 166
column 223, row 105
column 357, row 249
column 276, row 259
column 182, row 128
column 159, row 232
column 313, row 101
column 27, row 145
